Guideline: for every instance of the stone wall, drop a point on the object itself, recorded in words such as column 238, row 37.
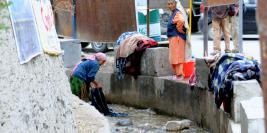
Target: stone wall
column 36, row 96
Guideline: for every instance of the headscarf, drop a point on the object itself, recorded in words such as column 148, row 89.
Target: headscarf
column 98, row 56
column 172, row 1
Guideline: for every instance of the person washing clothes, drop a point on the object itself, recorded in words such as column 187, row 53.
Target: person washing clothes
column 83, row 76
column 176, row 33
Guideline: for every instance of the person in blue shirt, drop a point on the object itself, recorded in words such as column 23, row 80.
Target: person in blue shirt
column 83, row 75
column 84, row 86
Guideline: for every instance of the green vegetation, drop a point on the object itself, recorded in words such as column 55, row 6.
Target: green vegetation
column 2, row 6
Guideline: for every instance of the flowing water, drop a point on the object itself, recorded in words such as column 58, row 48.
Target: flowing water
column 144, row 121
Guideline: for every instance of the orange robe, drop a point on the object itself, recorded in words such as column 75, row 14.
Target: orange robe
column 177, row 44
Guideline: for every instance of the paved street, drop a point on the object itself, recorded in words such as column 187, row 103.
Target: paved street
column 251, row 46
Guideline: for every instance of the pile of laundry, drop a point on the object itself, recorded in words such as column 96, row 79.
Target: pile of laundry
column 228, row 68
column 131, row 48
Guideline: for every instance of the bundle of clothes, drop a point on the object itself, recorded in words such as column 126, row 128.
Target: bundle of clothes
column 228, row 68
column 98, row 100
column 131, row 48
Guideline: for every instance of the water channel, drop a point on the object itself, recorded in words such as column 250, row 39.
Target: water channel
column 144, row 121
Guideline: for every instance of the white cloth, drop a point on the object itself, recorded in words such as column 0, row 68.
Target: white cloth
column 46, row 26
column 25, row 30
column 188, row 51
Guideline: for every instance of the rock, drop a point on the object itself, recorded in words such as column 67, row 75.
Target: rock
column 178, row 125
column 125, row 122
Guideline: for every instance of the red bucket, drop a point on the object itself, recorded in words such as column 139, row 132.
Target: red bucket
column 189, row 68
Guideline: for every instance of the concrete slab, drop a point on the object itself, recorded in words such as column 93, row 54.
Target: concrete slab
column 72, row 52
column 252, row 115
column 243, row 90
column 202, row 73
column 105, row 80
column 234, row 127
column 155, row 62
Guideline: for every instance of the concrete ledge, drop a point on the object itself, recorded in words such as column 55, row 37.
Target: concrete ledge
column 234, row 127
column 202, row 74
column 252, row 115
column 155, row 62
column 243, row 90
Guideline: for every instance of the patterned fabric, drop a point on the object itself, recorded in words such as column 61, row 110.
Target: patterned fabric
column 131, row 63
column 231, row 67
column 125, row 35
column 238, row 71
column 243, row 70
column 128, row 46
column 120, row 66
column 220, row 69
column 79, row 88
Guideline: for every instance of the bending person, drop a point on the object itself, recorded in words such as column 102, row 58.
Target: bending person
column 83, row 77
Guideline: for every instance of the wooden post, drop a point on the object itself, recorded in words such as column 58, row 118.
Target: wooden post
column 148, row 19
column 262, row 28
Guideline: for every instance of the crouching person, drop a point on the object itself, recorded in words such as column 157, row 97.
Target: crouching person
column 84, row 86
